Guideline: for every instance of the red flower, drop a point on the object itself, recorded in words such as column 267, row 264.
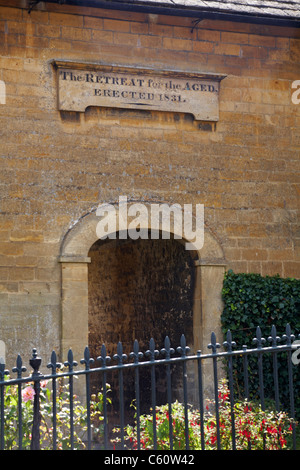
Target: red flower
column 282, row 441
column 247, row 434
column 271, row 430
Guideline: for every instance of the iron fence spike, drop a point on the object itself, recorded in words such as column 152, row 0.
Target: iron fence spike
column 70, row 355
column 53, row 357
column 120, row 356
column 19, row 366
column 183, row 348
column 229, row 344
column 274, row 339
column 167, row 350
column 288, row 337
column 87, row 360
column 213, row 344
column 136, row 354
column 259, row 340
column 152, row 353
column 87, row 353
column 3, row 371
column 103, row 351
column 70, row 362
column 103, row 356
column 53, row 364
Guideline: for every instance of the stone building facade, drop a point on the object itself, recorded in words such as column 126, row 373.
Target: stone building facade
column 60, row 287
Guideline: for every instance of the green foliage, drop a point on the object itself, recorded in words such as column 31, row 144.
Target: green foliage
column 11, row 431
column 251, row 300
column 254, row 427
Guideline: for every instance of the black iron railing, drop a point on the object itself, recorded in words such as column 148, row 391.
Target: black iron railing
column 221, row 360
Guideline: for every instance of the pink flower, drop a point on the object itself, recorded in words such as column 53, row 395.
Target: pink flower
column 28, row 394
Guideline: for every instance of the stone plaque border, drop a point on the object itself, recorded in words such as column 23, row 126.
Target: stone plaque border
column 81, row 84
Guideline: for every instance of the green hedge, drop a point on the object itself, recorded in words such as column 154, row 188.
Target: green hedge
column 251, row 300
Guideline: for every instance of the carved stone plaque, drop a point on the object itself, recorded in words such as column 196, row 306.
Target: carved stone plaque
column 83, row 85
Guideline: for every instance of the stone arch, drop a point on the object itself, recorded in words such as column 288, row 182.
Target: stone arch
column 82, row 235
column 209, row 265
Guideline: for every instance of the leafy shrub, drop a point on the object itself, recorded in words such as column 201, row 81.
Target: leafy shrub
column 254, row 428
column 251, row 300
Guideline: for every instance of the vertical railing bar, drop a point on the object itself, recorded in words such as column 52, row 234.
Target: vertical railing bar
column 104, row 382
column 88, row 411
column 213, row 346
column 121, row 404
column 54, row 414
column 104, row 359
column 259, row 341
column 292, row 406
column 152, row 353
column 231, row 392
column 246, row 374
column 246, row 380
column 137, row 355
column 200, row 390
column 120, row 357
column 186, row 420
column 229, row 344
column 87, row 360
column 35, row 363
column 54, row 365
column 2, row 439
column 19, row 369
column 261, row 380
column 3, row 372
column 138, row 411
column 183, row 350
column 71, row 395
column 274, row 339
column 167, row 351
column 216, row 391
column 289, row 337
column 276, row 384
column 169, row 398
column 20, row 420
column 71, row 363
column 153, row 401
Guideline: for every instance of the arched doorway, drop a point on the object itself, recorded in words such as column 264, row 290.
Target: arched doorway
column 209, row 268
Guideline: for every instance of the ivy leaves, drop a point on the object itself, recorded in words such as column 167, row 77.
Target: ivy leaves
column 251, row 300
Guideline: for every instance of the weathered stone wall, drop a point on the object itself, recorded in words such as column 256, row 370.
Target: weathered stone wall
column 56, row 167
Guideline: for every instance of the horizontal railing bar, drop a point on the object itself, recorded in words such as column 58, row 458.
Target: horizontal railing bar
column 156, row 362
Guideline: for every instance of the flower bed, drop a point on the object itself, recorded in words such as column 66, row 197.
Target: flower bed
column 11, row 431
column 255, row 429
